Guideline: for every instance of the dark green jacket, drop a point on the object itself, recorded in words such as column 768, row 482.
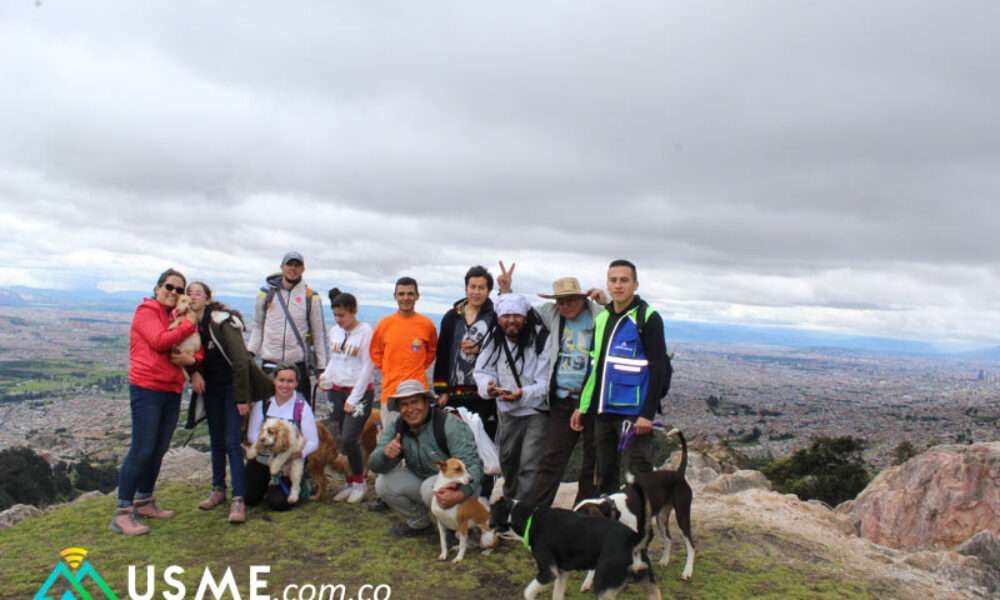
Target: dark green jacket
column 420, row 448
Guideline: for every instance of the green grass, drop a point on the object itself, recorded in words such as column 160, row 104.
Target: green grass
column 326, row 543
column 51, row 375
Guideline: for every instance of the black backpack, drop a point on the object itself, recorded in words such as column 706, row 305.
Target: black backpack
column 640, row 323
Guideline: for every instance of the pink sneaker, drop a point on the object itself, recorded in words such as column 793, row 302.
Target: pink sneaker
column 217, row 497
column 148, row 508
column 124, row 522
column 238, row 511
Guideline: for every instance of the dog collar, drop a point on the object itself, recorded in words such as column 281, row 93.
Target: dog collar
column 527, row 528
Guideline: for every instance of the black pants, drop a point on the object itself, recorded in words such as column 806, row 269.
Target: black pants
column 606, row 438
column 305, row 384
column 559, row 445
column 258, row 484
column 349, row 427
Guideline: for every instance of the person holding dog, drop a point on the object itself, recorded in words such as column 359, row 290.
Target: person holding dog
column 421, row 433
column 348, row 377
column 288, row 324
column 629, row 372
column 155, row 383
column 570, row 319
column 226, row 383
column 290, row 405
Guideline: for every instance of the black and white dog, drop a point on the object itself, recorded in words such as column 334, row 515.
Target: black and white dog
column 562, row 541
column 665, row 492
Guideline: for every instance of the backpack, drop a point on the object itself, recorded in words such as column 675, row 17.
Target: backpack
column 296, row 410
column 485, row 447
column 307, row 341
column 640, row 322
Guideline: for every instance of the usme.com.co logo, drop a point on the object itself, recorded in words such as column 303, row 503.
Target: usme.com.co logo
column 76, row 578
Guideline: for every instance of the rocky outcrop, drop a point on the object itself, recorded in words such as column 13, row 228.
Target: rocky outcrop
column 934, row 501
column 734, row 483
column 17, row 513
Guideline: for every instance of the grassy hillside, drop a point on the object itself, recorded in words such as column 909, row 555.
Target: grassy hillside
column 326, row 543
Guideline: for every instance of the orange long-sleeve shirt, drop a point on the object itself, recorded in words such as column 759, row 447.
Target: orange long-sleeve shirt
column 403, row 348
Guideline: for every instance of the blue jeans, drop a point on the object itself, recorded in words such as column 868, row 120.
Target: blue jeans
column 154, row 417
column 224, row 423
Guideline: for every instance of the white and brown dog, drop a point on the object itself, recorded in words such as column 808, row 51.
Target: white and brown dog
column 471, row 512
column 191, row 343
column 281, row 439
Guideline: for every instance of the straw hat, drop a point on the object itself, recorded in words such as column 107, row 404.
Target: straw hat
column 567, row 286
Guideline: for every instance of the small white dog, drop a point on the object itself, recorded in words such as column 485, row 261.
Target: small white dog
column 281, row 439
column 471, row 512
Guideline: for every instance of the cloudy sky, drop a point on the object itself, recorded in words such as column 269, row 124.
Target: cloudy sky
column 831, row 165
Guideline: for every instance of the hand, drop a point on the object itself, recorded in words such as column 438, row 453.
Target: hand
column 181, row 359
column 296, row 455
column 576, row 421
column 470, row 347
column 243, row 409
column 395, row 447
column 504, row 278
column 443, row 399
column 597, row 296
column 348, row 408
column 491, row 390
column 197, row 383
column 643, row 426
column 511, row 396
column 447, row 497
column 325, row 384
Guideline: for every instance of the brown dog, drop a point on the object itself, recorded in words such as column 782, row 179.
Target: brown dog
column 326, row 454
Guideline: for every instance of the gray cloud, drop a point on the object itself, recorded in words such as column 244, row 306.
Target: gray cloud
column 830, row 165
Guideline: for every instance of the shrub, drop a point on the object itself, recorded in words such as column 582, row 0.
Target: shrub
column 831, row 470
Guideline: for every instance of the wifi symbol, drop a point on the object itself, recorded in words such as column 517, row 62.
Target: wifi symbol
column 74, row 557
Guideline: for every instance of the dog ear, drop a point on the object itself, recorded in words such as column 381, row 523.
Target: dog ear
column 438, row 464
column 281, row 442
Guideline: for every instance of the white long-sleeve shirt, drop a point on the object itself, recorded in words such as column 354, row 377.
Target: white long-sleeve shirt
column 532, row 368
column 285, row 411
column 350, row 364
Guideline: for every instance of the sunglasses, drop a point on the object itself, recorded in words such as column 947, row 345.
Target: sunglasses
column 173, row 288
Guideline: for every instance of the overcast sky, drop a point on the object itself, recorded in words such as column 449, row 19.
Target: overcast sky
column 830, row 165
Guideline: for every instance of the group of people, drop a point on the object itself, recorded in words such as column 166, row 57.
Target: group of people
column 538, row 377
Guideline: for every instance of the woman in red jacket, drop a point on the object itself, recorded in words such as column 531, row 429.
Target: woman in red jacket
column 155, row 384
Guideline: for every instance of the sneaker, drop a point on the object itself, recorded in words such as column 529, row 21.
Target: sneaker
column 357, row 494
column 124, row 522
column 405, row 531
column 148, row 508
column 343, row 494
column 217, row 497
column 378, row 506
column 238, row 511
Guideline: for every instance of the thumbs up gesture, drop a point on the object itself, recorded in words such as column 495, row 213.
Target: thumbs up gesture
column 395, row 447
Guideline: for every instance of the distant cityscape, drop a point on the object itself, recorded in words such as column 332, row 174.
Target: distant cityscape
column 63, row 388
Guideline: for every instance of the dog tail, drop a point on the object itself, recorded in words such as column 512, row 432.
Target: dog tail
column 684, row 449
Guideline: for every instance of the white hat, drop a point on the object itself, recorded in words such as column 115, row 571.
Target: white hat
column 511, row 304
column 405, row 389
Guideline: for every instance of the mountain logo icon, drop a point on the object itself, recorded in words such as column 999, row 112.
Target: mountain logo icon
column 73, row 576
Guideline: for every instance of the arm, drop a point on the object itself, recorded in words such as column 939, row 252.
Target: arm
column 257, row 332
column 149, row 327
column 462, row 444
column 432, row 342
column 367, row 370
column 535, row 392
column 442, row 368
column 485, row 372
column 377, row 348
column 256, row 420
column 309, row 430
column 317, row 328
column 378, row 462
column 235, row 349
column 656, row 351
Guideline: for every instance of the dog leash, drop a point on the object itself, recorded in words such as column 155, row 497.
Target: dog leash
column 628, row 433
